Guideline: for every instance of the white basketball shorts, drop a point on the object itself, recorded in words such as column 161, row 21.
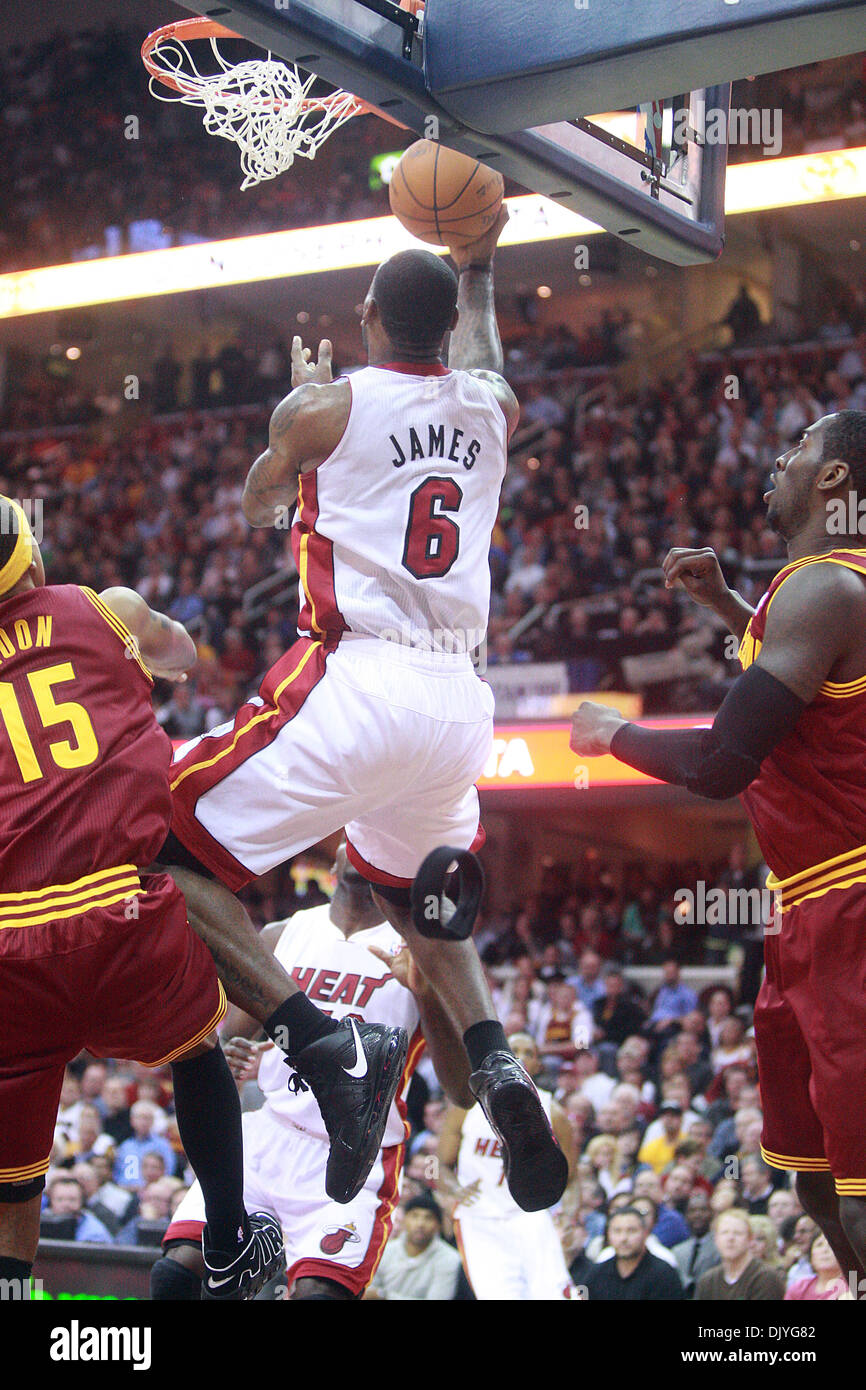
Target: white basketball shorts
column 383, row 739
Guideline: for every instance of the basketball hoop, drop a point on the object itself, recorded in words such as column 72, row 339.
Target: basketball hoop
column 264, row 105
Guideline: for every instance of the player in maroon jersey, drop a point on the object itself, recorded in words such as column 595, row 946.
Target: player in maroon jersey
column 95, row 953
column 790, row 737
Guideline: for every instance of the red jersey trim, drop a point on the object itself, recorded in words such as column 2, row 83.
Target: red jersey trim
column 394, row 880
column 314, row 557
column 414, row 368
column 283, row 691
column 371, row 872
column 184, row 1230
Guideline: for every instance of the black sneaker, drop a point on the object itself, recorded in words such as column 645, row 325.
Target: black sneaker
column 262, row 1259
column 354, row 1073
column 536, row 1169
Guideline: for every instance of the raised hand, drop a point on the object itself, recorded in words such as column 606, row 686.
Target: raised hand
column 699, row 573
column 304, row 369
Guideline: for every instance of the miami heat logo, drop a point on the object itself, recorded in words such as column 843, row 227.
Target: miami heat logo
column 336, row 1237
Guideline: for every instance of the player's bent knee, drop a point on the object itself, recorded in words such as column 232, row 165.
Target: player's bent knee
column 14, row 1193
column 321, row 1290
column 178, row 1275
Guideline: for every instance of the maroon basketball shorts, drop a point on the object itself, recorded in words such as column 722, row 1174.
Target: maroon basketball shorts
column 810, row 1024
column 108, row 963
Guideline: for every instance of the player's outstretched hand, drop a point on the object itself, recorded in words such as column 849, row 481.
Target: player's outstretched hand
column 698, row 571
column 404, row 968
column 592, row 728
column 304, row 369
column 244, row 1056
column 481, row 251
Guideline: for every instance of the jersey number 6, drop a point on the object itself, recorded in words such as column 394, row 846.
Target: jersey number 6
column 432, row 541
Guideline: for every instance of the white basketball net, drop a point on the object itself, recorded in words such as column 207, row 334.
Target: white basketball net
column 262, row 105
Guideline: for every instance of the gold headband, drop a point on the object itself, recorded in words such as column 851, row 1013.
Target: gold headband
column 22, row 552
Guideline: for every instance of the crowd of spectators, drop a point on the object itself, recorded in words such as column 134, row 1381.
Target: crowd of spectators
column 76, row 112
column 118, row 1171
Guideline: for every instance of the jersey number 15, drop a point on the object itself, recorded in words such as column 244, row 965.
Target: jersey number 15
column 81, row 753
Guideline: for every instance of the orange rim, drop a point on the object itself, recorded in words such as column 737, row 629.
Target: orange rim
column 200, row 28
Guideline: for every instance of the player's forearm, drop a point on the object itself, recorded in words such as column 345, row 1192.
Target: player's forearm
column 269, row 492
column 164, row 645
column 446, row 1050
column 756, row 714
column 475, row 341
column 734, row 612
column 168, row 647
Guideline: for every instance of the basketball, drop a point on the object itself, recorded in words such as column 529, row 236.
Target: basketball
column 444, row 197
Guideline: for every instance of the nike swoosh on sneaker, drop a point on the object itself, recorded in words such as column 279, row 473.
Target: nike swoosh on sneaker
column 218, row 1283
column 359, row 1068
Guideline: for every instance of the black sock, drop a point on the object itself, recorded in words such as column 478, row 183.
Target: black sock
column 482, row 1039
column 297, row 1023
column 19, row 1270
column 172, row 1281
column 209, row 1119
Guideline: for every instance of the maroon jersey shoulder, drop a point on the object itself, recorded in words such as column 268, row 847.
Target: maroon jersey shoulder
column 83, row 763
column 808, row 803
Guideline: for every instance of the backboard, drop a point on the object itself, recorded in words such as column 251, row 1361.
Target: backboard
column 512, row 83
column 500, row 67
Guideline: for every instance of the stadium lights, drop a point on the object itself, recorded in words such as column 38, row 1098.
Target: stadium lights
column 757, row 187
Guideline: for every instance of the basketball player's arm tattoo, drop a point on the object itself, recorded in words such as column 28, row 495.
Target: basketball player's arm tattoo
column 252, row 977
column 271, row 487
column 164, row 645
column 475, row 341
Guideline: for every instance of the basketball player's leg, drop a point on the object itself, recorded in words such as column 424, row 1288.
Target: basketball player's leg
column 251, row 976
column 321, row 1291
column 160, row 1005
column 382, row 845
column 822, row 945
column 36, row 1040
column 178, row 1275
column 281, row 778
column 793, row 1136
column 820, row 1200
column 19, row 1233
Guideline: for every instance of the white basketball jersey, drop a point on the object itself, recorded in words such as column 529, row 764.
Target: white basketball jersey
column 392, row 532
column 480, row 1160
column 344, row 980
